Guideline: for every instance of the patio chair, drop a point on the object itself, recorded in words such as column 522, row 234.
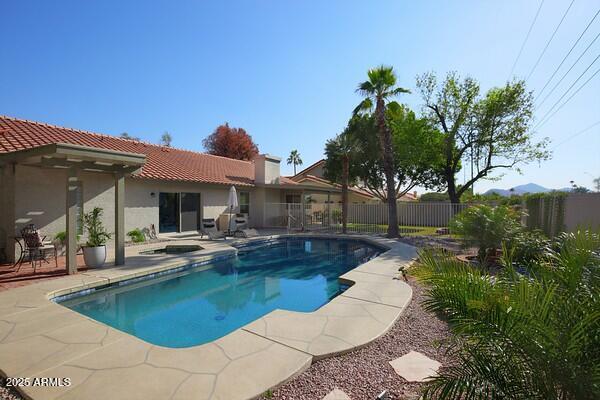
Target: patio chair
column 36, row 248
column 209, row 227
column 240, row 222
column 241, row 227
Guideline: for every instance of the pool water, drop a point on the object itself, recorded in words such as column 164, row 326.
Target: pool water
column 205, row 303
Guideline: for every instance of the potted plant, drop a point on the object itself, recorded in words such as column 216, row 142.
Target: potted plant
column 94, row 250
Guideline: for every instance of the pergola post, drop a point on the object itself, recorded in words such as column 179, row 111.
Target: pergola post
column 7, row 211
column 119, row 218
column 71, row 223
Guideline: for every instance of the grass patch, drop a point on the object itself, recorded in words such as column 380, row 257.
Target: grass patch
column 404, row 229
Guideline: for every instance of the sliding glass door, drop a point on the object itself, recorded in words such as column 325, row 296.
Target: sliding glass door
column 168, row 212
column 190, row 212
column 179, row 212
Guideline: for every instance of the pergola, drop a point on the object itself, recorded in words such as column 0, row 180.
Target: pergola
column 74, row 159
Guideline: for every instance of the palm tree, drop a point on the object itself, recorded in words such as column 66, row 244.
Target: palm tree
column 295, row 159
column 343, row 147
column 527, row 335
column 380, row 87
column 166, row 139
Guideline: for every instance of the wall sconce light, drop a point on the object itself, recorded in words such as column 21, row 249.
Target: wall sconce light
column 152, row 194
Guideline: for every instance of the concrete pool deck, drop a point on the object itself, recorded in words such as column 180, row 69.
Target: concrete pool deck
column 42, row 339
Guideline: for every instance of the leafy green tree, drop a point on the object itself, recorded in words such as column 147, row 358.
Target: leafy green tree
column 342, row 149
column 580, row 189
column 416, row 148
column 377, row 90
column 597, row 184
column 166, row 139
column 492, row 130
column 295, row 159
column 515, row 336
column 127, row 136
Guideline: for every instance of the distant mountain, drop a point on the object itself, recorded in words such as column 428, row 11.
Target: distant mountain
column 521, row 189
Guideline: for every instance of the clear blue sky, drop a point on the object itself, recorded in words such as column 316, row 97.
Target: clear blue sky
column 283, row 70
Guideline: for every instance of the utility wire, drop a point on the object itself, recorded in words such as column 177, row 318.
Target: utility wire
column 569, row 53
column 569, row 70
column 512, row 70
column 549, row 41
column 570, row 97
column 576, row 134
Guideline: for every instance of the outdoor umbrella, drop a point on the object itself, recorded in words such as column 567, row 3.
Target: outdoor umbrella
column 232, row 202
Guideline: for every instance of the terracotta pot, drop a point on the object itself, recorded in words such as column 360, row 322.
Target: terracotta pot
column 94, row 257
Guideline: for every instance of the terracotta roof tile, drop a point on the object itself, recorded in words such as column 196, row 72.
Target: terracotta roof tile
column 161, row 162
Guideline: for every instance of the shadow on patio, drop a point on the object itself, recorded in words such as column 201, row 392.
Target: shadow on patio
column 11, row 277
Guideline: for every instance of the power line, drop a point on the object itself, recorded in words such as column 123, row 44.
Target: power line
column 569, row 70
column 512, row 70
column 576, row 134
column 569, row 53
column 574, row 93
column 549, row 41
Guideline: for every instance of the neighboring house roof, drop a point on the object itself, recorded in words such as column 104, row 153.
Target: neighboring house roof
column 162, row 162
column 309, row 168
column 325, row 182
column 409, row 196
column 284, row 180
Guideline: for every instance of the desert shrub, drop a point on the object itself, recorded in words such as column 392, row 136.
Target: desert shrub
column 520, row 337
column 528, row 246
column 136, row 235
column 486, row 227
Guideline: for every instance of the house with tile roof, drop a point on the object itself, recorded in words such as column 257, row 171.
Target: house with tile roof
column 51, row 175
column 315, row 173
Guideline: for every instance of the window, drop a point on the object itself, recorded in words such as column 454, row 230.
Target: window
column 244, row 202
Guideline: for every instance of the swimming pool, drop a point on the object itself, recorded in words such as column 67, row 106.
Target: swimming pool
column 201, row 304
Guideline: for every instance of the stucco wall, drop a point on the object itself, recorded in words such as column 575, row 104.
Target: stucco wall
column 40, row 199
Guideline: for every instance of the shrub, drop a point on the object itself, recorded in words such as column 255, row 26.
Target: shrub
column 434, row 196
column 96, row 234
column 61, row 237
column 486, row 227
column 136, row 236
column 336, row 216
column 528, row 246
column 518, row 337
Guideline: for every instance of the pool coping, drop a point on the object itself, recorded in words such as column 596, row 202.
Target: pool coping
column 39, row 338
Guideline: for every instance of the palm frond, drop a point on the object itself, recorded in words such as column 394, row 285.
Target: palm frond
column 516, row 336
column 364, row 107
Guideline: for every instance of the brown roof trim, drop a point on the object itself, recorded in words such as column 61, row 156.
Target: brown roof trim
column 312, row 166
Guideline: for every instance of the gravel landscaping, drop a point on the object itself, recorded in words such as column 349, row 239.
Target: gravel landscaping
column 365, row 373
column 8, row 393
